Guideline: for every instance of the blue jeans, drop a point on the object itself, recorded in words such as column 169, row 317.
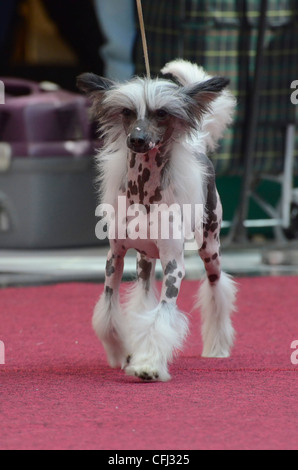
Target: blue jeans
column 117, row 22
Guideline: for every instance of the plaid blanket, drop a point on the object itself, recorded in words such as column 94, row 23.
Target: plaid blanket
column 222, row 35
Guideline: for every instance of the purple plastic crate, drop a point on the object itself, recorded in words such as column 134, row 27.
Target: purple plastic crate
column 38, row 123
column 47, row 190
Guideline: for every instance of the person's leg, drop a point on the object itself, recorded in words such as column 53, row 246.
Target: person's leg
column 117, row 21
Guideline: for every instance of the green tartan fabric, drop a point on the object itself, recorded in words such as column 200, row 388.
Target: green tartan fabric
column 222, row 35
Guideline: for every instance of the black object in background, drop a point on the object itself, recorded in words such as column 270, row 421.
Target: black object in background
column 78, row 25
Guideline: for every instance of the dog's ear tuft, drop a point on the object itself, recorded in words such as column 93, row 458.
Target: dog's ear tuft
column 205, row 92
column 90, row 83
column 202, row 94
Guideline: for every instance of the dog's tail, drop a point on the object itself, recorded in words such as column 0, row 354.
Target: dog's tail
column 221, row 110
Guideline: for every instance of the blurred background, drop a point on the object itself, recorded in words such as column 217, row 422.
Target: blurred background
column 47, row 142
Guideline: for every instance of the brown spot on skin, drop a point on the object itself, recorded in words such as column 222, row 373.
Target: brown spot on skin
column 132, row 188
column 215, row 256
column 132, row 160
column 109, row 292
column 171, row 267
column 207, row 260
column 172, row 291
column 212, row 217
column 110, row 268
column 142, row 180
column 156, row 197
column 204, row 246
column 146, row 268
column 213, row 227
column 159, row 160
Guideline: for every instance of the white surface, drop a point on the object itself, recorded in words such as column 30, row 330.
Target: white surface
column 29, row 267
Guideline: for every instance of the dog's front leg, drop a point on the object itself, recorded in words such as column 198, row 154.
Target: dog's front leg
column 155, row 335
column 108, row 321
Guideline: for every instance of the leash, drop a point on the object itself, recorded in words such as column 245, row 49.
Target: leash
column 144, row 40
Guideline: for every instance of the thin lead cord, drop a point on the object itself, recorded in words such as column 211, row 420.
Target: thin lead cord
column 143, row 33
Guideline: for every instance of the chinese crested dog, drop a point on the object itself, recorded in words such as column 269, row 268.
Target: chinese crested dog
column 157, row 134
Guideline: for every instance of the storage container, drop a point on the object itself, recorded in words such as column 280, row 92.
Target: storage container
column 47, row 190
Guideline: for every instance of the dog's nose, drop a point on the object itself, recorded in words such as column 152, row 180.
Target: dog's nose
column 137, row 141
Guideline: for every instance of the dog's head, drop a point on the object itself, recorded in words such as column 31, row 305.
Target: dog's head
column 150, row 112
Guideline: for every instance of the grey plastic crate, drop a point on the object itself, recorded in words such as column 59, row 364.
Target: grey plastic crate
column 47, row 202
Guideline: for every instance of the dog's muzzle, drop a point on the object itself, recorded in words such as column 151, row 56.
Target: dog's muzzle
column 140, row 141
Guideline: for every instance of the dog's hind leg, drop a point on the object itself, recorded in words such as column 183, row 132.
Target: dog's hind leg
column 108, row 321
column 142, row 296
column 216, row 298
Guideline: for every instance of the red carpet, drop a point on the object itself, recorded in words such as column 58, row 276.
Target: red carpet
column 56, row 391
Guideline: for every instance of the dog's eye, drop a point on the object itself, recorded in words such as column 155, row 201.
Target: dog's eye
column 127, row 112
column 161, row 114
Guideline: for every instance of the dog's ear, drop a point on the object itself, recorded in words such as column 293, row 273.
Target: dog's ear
column 205, row 92
column 90, row 83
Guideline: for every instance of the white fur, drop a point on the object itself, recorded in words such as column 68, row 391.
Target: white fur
column 217, row 302
column 187, row 177
column 154, row 333
column 112, row 168
column 153, row 337
column 139, row 301
column 222, row 109
column 109, row 325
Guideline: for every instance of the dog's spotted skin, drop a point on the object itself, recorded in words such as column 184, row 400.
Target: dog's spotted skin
column 210, row 249
column 146, row 183
column 114, row 269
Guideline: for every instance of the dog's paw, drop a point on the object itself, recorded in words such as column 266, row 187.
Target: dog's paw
column 148, row 373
